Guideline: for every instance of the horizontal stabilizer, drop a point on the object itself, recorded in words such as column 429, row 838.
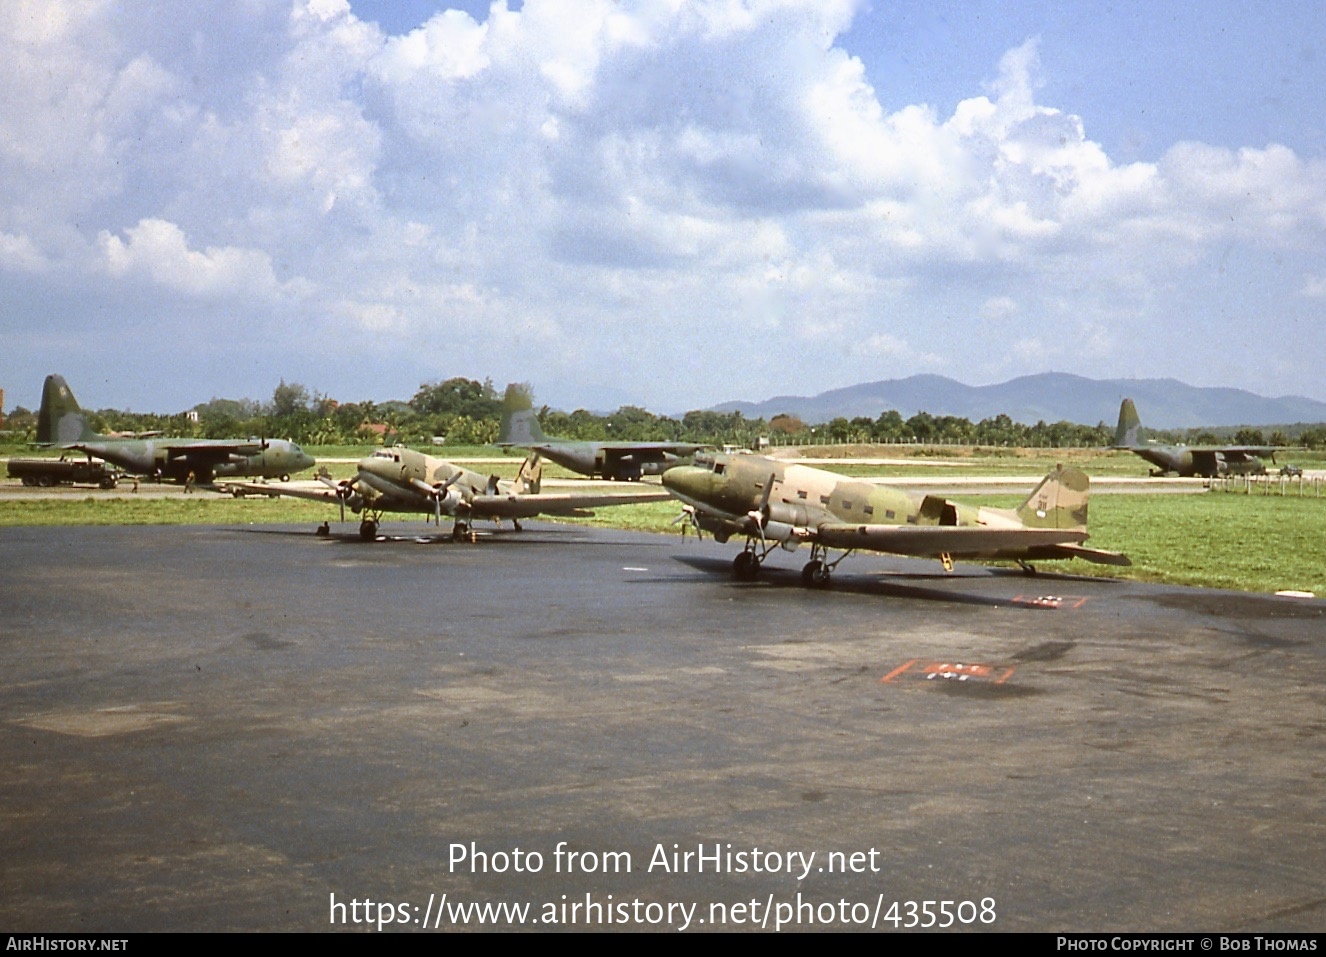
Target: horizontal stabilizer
column 1097, row 555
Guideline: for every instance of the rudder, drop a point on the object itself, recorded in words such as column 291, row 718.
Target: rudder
column 1127, row 433
column 520, row 426
column 60, row 420
column 1059, row 501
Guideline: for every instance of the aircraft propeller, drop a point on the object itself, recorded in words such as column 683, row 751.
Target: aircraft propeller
column 438, row 493
column 344, row 490
column 760, row 515
column 687, row 517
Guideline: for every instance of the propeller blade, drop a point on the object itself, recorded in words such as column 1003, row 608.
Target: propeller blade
column 768, row 490
column 687, row 518
column 761, row 515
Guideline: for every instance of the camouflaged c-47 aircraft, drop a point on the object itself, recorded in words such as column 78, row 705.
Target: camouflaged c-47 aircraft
column 403, row 480
column 775, row 503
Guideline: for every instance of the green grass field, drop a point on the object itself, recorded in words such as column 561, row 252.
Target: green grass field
column 1262, row 543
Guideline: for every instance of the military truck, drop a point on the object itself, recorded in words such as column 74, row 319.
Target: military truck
column 50, row 472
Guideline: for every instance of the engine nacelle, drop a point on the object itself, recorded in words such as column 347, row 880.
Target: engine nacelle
column 787, row 534
column 786, row 513
column 720, row 528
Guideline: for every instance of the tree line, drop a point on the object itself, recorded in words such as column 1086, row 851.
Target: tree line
column 468, row 412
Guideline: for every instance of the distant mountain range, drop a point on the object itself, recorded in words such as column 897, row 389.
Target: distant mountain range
column 1049, row 396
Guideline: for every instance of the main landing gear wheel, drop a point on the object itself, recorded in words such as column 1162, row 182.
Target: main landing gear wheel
column 368, row 530
column 746, row 567
column 815, row 574
column 461, row 532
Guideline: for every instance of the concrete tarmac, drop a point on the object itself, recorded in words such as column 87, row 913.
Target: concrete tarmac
column 239, row 728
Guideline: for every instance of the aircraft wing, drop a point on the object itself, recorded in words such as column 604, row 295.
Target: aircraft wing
column 313, row 491
column 1242, row 452
column 970, row 541
column 966, row 541
column 554, row 503
column 212, row 451
column 626, row 448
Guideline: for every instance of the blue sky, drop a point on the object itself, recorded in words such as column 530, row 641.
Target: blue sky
column 669, row 204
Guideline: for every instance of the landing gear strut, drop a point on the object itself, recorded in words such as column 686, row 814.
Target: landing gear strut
column 815, row 574
column 819, row 568
column 746, row 566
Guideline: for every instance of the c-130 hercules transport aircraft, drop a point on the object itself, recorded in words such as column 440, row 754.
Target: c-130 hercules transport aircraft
column 623, row 461
column 61, row 423
column 775, row 503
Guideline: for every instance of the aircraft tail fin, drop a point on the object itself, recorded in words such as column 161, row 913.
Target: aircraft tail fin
column 1059, row 501
column 520, row 426
column 1128, row 432
column 530, row 478
column 60, row 421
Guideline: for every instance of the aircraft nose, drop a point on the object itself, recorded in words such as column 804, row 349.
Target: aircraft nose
column 687, row 481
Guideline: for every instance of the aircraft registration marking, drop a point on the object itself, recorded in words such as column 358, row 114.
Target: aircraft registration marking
column 952, row 671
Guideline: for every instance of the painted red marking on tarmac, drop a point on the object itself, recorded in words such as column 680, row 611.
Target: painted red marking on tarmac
column 897, row 671
column 1051, row 601
column 977, row 671
column 954, row 671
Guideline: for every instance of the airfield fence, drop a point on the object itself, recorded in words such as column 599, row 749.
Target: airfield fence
column 1300, row 485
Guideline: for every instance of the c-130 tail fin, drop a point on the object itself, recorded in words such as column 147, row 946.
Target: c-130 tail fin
column 60, row 421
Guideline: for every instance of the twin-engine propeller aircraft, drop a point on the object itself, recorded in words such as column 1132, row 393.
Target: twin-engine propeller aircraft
column 618, row 461
column 61, row 423
column 773, row 503
column 402, row 480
